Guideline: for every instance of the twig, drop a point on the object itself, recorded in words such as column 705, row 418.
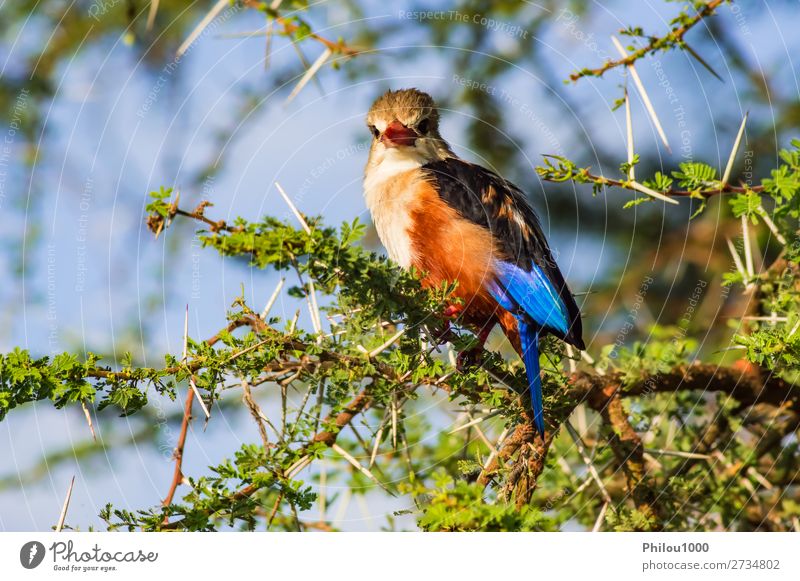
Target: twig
column 628, row 450
column 674, row 37
column 252, row 347
column 177, row 475
column 357, row 465
column 192, row 384
column 255, row 411
column 587, row 460
column 600, row 518
column 495, row 448
column 678, row 453
column 394, row 420
column 475, row 421
column 584, row 176
column 274, row 510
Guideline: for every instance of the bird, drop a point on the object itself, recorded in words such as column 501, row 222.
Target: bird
column 455, row 221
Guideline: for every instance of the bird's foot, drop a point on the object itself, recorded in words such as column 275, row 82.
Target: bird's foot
column 452, row 311
column 469, row 358
column 444, row 334
column 474, row 355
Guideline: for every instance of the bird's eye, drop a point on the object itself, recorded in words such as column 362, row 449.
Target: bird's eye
column 374, row 131
column 424, row 125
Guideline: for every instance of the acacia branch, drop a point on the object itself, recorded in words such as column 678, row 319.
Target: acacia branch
column 583, row 176
column 628, row 449
column 662, row 43
column 177, row 475
column 745, row 387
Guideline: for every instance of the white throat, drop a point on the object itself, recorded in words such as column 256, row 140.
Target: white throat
column 390, row 197
column 394, row 161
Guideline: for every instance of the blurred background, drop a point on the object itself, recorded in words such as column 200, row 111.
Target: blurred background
column 97, row 111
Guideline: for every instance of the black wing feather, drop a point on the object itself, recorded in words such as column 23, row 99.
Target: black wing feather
column 483, row 197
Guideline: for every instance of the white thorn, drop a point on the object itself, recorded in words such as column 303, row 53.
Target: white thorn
column 272, row 299
column 748, row 252
column 212, row 14
column 658, row 195
column 726, row 176
column 643, row 93
column 355, row 463
column 387, row 344
column 629, row 127
column 310, row 72
column 771, row 225
column 62, row 517
column 293, row 208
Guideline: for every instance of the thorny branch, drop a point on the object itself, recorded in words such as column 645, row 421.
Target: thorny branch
column 670, row 40
column 582, row 175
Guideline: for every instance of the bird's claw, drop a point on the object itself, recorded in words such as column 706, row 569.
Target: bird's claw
column 469, row 358
column 452, row 311
column 443, row 335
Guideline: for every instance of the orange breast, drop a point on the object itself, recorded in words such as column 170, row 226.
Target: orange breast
column 449, row 248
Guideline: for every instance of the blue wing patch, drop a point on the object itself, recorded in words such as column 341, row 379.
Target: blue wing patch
column 532, row 292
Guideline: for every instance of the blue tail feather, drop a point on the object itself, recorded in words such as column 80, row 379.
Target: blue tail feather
column 538, row 308
column 529, row 338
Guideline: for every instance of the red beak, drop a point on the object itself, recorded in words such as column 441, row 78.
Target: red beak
column 397, row 134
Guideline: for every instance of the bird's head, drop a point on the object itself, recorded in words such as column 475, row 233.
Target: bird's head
column 405, row 125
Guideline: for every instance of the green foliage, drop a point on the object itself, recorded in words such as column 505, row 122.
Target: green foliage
column 368, row 300
column 460, row 507
column 626, row 166
column 663, row 352
column 747, row 204
column 660, row 182
column 66, row 380
column 695, row 176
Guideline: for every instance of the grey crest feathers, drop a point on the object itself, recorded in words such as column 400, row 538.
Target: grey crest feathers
column 409, row 106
